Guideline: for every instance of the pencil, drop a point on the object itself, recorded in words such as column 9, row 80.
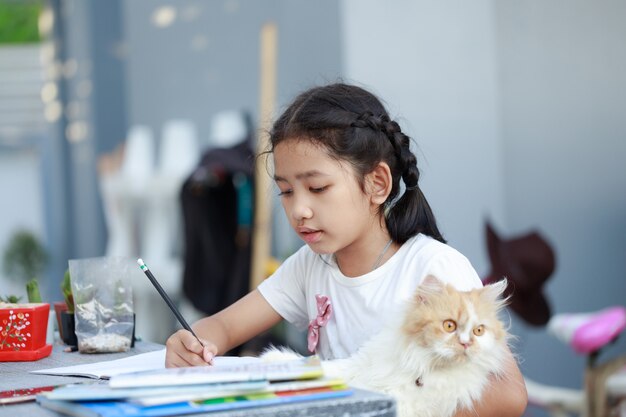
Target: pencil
column 167, row 299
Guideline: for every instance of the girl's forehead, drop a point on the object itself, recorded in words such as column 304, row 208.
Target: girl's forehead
column 300, row 151
column 294, row 155
column 298, row 146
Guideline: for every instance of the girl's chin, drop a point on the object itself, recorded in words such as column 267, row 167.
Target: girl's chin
column 321, row 251
column 320, row 248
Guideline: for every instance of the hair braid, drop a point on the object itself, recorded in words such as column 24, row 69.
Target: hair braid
column 400, row 142
column 402, row 146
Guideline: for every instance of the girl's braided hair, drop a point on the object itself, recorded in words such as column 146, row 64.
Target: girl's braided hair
column 353, row 125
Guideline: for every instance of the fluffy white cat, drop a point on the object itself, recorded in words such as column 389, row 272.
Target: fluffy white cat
column 436, row 357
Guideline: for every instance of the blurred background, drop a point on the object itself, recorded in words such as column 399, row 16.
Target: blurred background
column 114, row 116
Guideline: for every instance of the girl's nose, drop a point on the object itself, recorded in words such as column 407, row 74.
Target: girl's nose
column 301, row 210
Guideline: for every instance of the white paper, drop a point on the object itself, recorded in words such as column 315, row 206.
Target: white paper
column 232, row 369
column 142, row 362
column 104, row 370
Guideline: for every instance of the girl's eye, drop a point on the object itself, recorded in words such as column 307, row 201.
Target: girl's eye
column 284, row 193
column 449, row 326
column 318, row 189
column 479, row 330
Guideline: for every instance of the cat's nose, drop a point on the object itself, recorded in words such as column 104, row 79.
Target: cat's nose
column 466, row 344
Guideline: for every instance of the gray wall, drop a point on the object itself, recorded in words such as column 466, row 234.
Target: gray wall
column 563, row 102
column 82, row 60
column 207, row 59
column 518, row 109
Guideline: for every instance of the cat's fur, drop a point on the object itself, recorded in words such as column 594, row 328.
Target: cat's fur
column 428, row 370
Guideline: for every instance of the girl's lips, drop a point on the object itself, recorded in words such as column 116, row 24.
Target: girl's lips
column 310, row 236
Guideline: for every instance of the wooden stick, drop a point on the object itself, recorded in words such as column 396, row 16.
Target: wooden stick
column 261, row 235
column 595, row 385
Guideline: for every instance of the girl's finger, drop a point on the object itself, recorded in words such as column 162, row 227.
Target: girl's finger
column 209, row 353
column 190, row 342
column 183, row 349
column 180, row 356
column 176, row 360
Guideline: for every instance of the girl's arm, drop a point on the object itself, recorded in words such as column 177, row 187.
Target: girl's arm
column 503, row 397
column 221, row 332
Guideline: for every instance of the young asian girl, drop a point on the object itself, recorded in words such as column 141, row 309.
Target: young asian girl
column 348, row 184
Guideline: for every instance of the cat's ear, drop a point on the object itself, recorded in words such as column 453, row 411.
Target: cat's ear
column 432, row 282
column 430, row 285
column 495, row 292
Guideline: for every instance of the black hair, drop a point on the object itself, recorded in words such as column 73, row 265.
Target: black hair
column 353, row 125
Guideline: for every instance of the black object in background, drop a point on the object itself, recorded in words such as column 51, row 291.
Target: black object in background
column 217, row 241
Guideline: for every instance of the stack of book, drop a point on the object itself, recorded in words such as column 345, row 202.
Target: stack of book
column 179, row 391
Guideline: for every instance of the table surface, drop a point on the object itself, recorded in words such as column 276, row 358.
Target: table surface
column 15, row 375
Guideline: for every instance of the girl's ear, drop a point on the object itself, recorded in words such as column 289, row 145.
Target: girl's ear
column 379, row 183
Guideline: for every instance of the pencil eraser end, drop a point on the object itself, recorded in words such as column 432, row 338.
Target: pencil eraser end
column 140, row 262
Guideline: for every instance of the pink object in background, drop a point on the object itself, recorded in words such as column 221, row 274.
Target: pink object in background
column 587, row 333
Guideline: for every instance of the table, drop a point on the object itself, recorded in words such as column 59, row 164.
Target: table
column 16, row 375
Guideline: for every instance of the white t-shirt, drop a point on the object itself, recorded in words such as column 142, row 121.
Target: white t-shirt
column 360, row 304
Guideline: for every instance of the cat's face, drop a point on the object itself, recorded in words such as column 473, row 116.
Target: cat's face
column 455, row 326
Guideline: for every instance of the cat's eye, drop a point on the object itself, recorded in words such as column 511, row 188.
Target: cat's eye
column 449, row 326
column 479, row 330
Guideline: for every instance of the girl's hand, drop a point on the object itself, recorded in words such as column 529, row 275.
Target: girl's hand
column 183, row 349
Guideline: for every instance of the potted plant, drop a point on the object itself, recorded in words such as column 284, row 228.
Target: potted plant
column 65, row 313
column 23, row 326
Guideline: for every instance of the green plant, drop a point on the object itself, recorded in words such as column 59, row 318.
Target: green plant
column 24, row 257
column 19, row 21
column 11, row 299
column 32, row 290
column 66, row 288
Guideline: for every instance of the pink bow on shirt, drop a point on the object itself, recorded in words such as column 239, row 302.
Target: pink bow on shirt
column 324, row 310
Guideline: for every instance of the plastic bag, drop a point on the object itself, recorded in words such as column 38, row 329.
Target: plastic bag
column 103, row 303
